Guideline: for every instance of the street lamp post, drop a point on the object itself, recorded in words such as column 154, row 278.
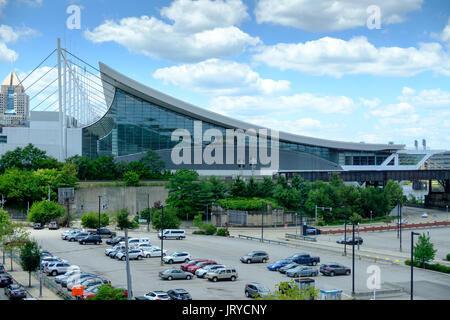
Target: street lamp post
column 262, row 221
column 345, row 230
column 412, row 262
column 353, row 259
column 40, row 273
column 400, row 227
column 148, row 208
column 99, row 210
column 447, row 211
column 162, row 234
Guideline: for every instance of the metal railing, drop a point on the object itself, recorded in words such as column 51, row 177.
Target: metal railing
column 294, row 236
column 241, row 236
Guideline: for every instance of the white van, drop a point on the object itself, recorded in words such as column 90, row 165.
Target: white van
column 173, row 234
column 133, row 242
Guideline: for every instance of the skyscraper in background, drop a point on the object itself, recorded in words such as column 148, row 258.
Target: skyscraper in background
column 14, row 102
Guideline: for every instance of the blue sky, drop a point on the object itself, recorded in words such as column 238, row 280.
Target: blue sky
column 307, row 67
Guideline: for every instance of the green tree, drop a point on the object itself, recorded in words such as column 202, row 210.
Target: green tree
column 131, row 179
column 238, row 188
column 171, row 221
column 251, row 188
column 6, row 225
column 266, row 188
column 45, row 211
column 290, row 291
column 153, row 163
column 83, row 166
column 288, row 197
column 123, row 221
column 90, row 220
column 30, row 258
column 108, row 292
column 217, row 188
column 28, row 158
column 394, row 194
column 424, row 250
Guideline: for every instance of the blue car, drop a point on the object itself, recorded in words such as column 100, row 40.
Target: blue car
column 313, row 231
column 279, row 264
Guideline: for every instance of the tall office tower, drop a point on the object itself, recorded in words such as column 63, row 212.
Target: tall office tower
column 14, row 102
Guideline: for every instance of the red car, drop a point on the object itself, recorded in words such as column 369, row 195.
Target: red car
column 199, row 265
column 186, row 265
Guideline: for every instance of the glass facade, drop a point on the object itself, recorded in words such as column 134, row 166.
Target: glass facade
column 437, row 161
column 133, row 125
column 407, row 159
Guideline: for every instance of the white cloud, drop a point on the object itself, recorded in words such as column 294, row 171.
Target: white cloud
column 445, row 34
column 293, row 105
column 331, row 15
column 392, row 110
column 337, row 57
column 220, row 77
column 196, row 16
column 428, row 98
column 10, row 35
column 212, row 36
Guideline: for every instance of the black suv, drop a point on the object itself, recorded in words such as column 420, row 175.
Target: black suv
column 2, row 269
column 179, row 294
column 92, row 238
column 115, row 240
column 104, row 233
column 5, row 280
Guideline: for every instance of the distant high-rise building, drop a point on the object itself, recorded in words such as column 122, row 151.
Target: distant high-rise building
column 14, row 102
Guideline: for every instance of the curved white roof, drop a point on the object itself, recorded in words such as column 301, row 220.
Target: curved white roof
column 120, row 81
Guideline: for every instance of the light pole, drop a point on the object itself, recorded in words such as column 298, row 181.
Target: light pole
column 148, row 208
column 412, row 262
column 40, row 273
column 400, row 207
column 353, row 259
column 371, row 217
column 447, row 211
column 162, row 234
column 99, row 210
column 262, row 221
column 345, row 230
column 130, row 293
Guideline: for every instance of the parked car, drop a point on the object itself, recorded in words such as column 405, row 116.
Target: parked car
column 173, row 234
column 279, row 264
column 114, row 241
column 104, row 233
column 189, row 263
column 153, row 252
column 77, row 279
column 90, row 292
column 2, row 269
column 424, row 215
column 177, row 257
column 59, row 268
column 74, row 277
column 114, row 253
column 332, row 269
column 255, row 256
column 76, row 236
column 288, row 267
column 255, row 290
column 179, row 294
column 134, row 242
column 201, row 272
column 70, row 232
column 222, row 274
column 305, row 259
column 5, row 280
column 92, row 238
column 45, row 253
column 38, row 226
column 200, row 264
column 133, row 254
column 93, row 282
column 171, row 274
column 358, row 240
column 116, row 247
column 69, row 273
column 53, row 226
column 157, row 295
column 15, row 291
column 302, row 271
column 48, row 260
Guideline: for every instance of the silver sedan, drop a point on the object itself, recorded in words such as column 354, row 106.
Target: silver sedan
column 170, row 274
column 302, row 271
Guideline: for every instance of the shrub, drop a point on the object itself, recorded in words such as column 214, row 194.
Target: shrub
column 209, row 229
column 90, row 220
column 131, row 179
column 198, row 232
column 434, row 267
column 223, row 232
column 448, row 257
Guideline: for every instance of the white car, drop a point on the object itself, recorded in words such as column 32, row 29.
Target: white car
column 78, row 278
column 177, row 257
column 70, row 232
column 201, row 273
column 133, row 254
column 157, row 295
column 66, row 275
column 153, row 252
column 424, row 215
column 48, row 260
column 59, row 268
column 116, row 247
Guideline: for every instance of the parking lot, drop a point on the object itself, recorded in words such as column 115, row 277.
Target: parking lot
column 227, row 251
